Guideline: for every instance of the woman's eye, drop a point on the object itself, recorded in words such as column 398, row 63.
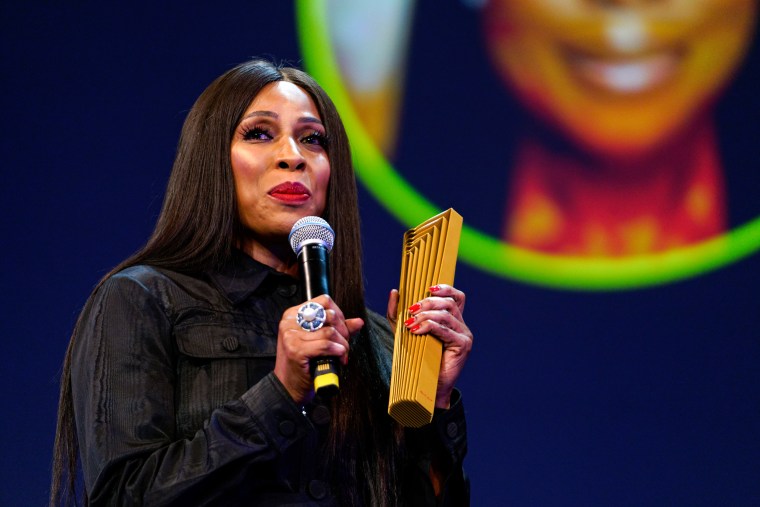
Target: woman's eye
column 256, row 134
column 317, row 138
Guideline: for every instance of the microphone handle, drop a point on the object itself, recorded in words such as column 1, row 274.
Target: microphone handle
column 314, row 268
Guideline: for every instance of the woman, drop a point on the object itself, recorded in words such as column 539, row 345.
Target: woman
column 187, row 379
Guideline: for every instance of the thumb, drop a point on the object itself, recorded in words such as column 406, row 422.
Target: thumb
column 392, row 313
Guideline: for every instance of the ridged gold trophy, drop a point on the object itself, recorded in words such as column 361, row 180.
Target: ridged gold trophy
column 429, row 258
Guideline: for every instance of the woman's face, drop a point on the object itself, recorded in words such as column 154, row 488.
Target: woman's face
column 618, row 76
column 279, row 162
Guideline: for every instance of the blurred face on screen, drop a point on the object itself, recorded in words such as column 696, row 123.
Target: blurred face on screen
column 619, row 77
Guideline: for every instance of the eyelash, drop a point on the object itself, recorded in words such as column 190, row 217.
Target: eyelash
column 320, row 138
column 254, row 133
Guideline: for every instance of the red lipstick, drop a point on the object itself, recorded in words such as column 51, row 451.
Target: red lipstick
column 290, row 192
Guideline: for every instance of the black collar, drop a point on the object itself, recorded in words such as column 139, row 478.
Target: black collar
column 242, row 275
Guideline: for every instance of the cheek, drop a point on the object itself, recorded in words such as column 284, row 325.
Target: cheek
column 246, row 175
column 240, row 162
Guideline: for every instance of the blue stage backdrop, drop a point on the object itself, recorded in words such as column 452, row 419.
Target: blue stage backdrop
column 614, row 363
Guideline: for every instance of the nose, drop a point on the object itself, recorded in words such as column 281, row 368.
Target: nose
column 289, row 155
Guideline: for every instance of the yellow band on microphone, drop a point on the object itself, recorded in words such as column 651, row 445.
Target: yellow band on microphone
column 326, row 380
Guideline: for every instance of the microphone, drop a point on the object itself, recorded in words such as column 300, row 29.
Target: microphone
column 312, row 240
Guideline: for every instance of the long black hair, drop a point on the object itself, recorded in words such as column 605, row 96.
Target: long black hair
column 198, row 229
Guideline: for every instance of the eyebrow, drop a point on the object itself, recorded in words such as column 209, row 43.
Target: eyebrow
column 272, row 114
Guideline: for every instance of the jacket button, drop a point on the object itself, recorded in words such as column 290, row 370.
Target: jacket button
column 287, row 428
column 452, row 429
column 230, row 344
column 317, row 490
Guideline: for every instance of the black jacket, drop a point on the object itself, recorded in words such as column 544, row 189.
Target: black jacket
column 176, row 403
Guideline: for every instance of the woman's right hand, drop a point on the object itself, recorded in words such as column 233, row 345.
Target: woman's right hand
column 296, row 347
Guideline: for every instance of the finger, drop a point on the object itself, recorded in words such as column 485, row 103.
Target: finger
column 437, row 323
column 346, row 327
column 354, row 325
column 326, row 341
column 434, row 304
column 459, row 341
column 329, row 304
column 336, row 321
column 444, row 290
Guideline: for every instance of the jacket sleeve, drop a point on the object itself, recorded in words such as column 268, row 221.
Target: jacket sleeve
column 435, row 450
column 436, row 453
column 123, row 380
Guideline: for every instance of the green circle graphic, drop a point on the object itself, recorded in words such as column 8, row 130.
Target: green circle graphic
column 482, row 250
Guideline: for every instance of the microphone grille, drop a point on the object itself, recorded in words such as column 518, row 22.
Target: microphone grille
column 311, row 230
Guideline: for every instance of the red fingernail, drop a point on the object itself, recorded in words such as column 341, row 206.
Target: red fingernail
column 409, row 321
column 415, row 307
column 435, row 288
column 415, row 328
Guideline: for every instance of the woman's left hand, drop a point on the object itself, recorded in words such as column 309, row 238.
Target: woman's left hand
column 440, row 315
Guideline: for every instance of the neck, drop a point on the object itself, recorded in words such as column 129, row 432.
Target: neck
column 567, row 201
